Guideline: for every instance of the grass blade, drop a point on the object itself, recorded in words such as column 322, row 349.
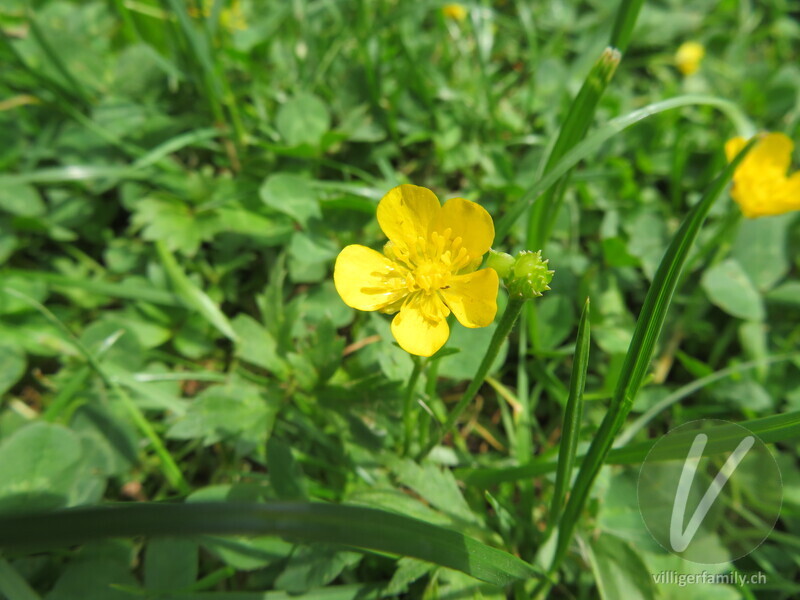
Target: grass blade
column 192, row 295
column 637, row 360
column 576, row 123
column 688, row 389
column 626, row 21
column 359, row 527
column 772, row 429
column 127, row 291
column 572, row 416
column 598, row 138
column 579, row 118
column 368, row 591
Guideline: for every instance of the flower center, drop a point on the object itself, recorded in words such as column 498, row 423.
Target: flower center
column 430, row 276
column 430, row 261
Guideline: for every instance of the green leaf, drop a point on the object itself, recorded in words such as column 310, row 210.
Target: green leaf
column 361, row 528
column 313, row 566
column 108, row 440
column 192, row 295
column 171, row 222
column 760, row 249
column 556, row 319
column 237, row 413
column 95, row 579
column 310, row 257
column 436, row 485
column 13, row 585
column 21, row 200
column 131, row 288
column 12, row 366
column 38, row 467
column 786, row 293
column 113, row 344
column 303, row 120
column 469, row 342
column 10, row 303
column 284, row 473
column 256, row 345
column 170, row 563
column 648, row 235
column 729, row 287
column 619, row 570
column 292, row 195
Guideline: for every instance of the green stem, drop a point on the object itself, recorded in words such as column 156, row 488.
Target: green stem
column 408, row 405
column 500, row 334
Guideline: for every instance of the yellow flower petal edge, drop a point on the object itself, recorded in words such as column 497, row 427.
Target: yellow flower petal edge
column 427, row 269
column 761, row 186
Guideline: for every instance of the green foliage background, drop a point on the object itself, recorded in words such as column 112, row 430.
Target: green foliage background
column 175, row 185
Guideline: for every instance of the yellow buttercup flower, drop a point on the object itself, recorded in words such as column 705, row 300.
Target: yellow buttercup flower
column 688, row 57
column 427, row 269
column 760, row 184
column 454, row 11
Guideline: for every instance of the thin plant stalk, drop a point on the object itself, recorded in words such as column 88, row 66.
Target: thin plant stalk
column 504, row 328
column 408, row 404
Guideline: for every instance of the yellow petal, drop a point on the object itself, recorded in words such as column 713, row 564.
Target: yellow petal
column 733, row 146
column 366, row 279
column 421, row 325
column 769, row 157
column 407, row 213
column 473, row 297
column 469, row 221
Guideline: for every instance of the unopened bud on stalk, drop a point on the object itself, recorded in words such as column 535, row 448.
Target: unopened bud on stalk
column 526, row 275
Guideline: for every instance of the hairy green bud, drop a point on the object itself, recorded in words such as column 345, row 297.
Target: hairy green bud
column 529, row 276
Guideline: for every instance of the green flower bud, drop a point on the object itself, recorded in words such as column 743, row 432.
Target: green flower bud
column 500, row 262
column 529, row 276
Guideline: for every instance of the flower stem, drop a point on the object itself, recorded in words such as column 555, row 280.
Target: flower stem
column 500, row 334
column 408, row 405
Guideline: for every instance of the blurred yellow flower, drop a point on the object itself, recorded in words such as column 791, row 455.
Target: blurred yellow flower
column 427, row 269
column 760, row 184
column 454, row 11
column 688, row 57
column 231, row 17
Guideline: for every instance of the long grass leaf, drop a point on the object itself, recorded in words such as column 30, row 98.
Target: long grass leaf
column 637, row 360
column 598, row 138
column 772, row 429
column 359, row 527
column 572, row 416
column 127, row 291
